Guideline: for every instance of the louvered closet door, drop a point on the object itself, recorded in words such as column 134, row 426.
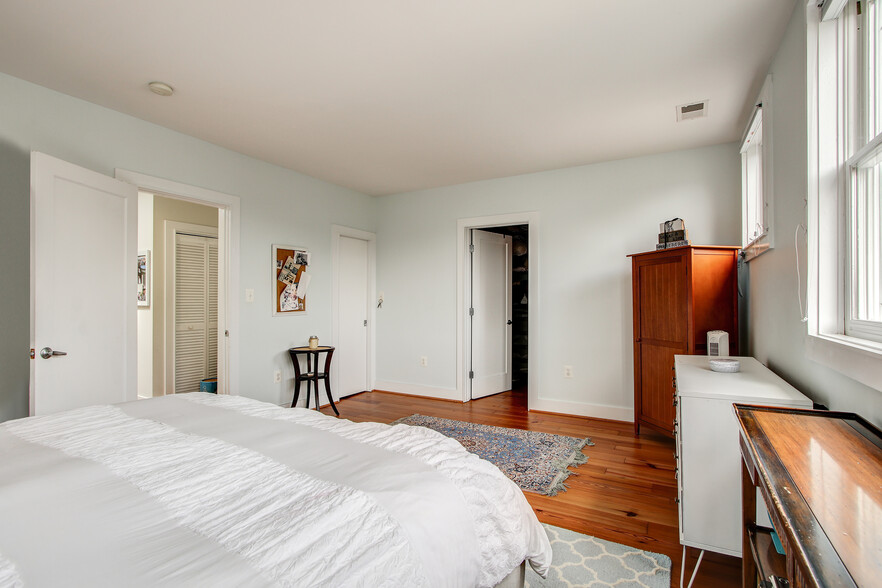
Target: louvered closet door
column 195, row 311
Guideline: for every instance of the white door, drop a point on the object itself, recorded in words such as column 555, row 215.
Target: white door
column 491, row 315
column 83, row 287
column 352, row 348
column 195, row 309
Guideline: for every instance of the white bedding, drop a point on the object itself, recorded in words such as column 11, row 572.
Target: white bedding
column 199, row 489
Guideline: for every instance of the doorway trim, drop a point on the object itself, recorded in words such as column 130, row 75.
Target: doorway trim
column 463, row 291
column 228, row 264
column 338, row 231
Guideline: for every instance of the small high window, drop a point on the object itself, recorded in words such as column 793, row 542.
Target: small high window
column 756, row 187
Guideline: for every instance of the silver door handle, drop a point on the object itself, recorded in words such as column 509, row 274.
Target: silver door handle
column 47, row 352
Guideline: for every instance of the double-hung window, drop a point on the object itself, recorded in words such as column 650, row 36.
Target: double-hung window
column 756, row 183
column 845, row 186
column 863, row 279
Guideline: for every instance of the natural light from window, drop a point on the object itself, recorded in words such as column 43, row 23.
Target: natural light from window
column 864, row 314
column 844, row 212
column 756, row 177
column 752, row 180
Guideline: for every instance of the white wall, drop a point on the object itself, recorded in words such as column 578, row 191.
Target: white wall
column 278, row 206
column 590, row 219
column 145, row 313
column 777, row 335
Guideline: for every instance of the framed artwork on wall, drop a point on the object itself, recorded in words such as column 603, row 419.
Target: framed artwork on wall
column 144, row 278
column 290, row 279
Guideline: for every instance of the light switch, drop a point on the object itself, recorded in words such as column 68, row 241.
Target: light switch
column 249, row 294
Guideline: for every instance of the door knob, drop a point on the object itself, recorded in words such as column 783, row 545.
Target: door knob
column 509, row 322
column 47, row 352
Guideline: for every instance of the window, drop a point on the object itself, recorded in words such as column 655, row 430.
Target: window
column 756, row 187
column 845, row 184
column 863, row 316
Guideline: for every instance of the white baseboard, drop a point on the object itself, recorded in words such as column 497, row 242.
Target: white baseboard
column 419, row 390
column 597, row 411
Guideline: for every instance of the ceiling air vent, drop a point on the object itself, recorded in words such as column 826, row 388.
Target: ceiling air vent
column 690, row 111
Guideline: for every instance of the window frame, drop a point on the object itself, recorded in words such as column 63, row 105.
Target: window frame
column 859, row 237
column 833, row 117
column 752, row 246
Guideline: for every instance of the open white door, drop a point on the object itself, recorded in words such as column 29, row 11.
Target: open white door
column 83, row 302
column 352, row 347
column 491, row 314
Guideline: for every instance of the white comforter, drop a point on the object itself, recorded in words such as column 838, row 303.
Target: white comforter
column 205, row 490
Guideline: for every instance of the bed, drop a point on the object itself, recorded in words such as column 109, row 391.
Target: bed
column 208, row 490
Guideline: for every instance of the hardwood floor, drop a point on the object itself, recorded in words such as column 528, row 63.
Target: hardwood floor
column 625, row 493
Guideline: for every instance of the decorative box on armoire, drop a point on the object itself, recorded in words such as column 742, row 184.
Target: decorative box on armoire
column 679, row 295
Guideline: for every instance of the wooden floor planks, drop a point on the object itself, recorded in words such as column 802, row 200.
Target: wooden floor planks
column 625, row 493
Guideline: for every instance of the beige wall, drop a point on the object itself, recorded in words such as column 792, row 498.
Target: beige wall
column 168, row 209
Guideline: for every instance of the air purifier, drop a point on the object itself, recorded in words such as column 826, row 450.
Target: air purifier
column 718, row 343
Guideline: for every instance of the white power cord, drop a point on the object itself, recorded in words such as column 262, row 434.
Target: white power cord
column 803, row 313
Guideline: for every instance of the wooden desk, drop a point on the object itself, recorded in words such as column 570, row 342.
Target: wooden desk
column 820, row 474
column 312, row 375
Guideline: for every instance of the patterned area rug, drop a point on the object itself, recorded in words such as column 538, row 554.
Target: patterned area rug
column 537, row 462
column 582, row 560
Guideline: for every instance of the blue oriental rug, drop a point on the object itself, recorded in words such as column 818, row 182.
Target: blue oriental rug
column 537, row 462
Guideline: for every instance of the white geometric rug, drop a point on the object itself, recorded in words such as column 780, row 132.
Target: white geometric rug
column 582, row 560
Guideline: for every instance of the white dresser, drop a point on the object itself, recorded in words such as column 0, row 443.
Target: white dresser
column 708, row 456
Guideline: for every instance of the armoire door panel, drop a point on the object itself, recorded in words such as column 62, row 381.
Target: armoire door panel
column 656, row 384
column 715, row 291
column 662, row 292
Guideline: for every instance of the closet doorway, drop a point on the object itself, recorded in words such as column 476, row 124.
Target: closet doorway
column 517, row 301
column 353, row 259
column 191, row 337
column 499, row 288
column 225, row 212
column 178, row 335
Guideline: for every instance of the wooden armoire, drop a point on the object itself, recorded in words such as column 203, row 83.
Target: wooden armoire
column 679, row 295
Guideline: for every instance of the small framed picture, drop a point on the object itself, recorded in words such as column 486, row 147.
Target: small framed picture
column 290, row 280
column 144, row 278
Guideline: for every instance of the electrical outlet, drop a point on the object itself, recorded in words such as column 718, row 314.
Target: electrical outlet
column 424, row 361
column 568, row 371
column 249, row 294
column 277, row 376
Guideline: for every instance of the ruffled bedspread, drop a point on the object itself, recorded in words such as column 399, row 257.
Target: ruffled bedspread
column 200, row 489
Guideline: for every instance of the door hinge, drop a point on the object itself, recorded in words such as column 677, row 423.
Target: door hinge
column 471, row 247
column 471, row 375
column 472, row 311
column 365, row 322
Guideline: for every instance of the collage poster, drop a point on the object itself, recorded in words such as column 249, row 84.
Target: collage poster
column 291, row 279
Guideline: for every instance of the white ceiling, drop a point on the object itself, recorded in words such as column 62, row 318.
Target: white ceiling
column 388, row 96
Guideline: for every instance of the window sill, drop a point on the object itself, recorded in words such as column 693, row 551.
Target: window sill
column 859, row 359
column 756, row 247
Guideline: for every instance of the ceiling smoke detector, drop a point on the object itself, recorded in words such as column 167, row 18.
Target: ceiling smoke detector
column 692, row 110
column 161, row 88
